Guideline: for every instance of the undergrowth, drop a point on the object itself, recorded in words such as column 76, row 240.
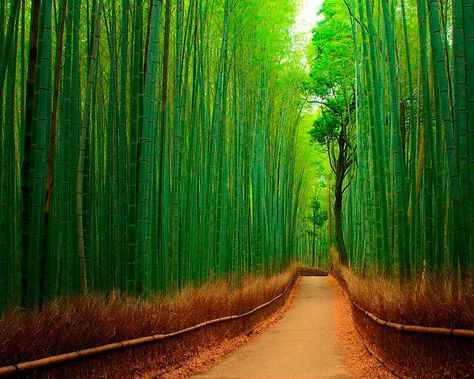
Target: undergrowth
column 94, row 320
column 428, row 301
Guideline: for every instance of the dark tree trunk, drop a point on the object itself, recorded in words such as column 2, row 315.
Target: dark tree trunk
column 313, row 245
column 52, row 144
column 341, row 168
column 341, row 247
column 25, row 167
column 164, row 98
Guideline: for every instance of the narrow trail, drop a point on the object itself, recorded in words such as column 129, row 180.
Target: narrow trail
column 301, row 345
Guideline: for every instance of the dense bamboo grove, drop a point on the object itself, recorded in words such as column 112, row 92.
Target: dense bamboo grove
column 409, row 208
column 145, row 145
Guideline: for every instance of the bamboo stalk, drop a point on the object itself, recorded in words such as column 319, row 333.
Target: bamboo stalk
column 82, row 148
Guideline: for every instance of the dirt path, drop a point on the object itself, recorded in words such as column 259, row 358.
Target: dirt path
column 301, row 345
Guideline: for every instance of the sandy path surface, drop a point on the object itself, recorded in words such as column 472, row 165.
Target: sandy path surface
column 301, row 345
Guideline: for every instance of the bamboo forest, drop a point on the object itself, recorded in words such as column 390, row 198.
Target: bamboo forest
column 171, row 164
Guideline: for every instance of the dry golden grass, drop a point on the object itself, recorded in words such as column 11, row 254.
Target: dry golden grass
column 212, row 355
column 94, row 320
column 361, row 363
column 427, row 302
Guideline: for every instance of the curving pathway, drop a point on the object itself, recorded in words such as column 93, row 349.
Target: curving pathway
column 300, row 345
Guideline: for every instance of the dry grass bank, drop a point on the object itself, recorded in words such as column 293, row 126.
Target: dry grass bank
column 359, row 360
column 431, row 302
column 69, row 325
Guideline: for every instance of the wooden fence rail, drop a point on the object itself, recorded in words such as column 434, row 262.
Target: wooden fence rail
column 75, row 355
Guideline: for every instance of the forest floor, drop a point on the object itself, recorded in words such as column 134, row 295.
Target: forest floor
column 316, row 338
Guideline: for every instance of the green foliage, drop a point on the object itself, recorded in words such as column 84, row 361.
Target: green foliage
column 174, row 151
column 332, row 73
column 408, row 206
column 332, row 85
column 332, row 65
column 317, row 216
column 326, row 128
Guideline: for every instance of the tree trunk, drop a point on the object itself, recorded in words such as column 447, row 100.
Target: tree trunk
column 341, row 247
column 25, row 167
column 161, row 241
column 82, row 149
column 338, row 191
column 330, row 240
column 50, row 163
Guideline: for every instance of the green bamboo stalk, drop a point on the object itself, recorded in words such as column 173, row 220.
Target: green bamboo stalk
column 443, row 109
column 82, row 148
column 9, row 38
column 400, row 246
column 146, row 151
